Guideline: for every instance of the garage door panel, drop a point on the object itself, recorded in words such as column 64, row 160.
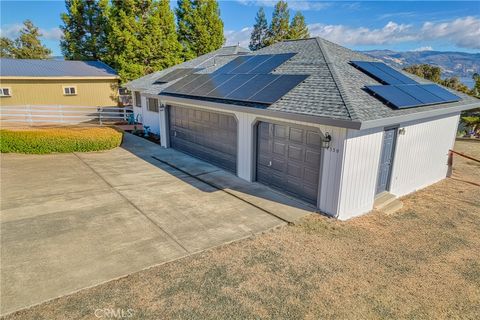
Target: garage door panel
column 206, row 135
column 288, row 158
column 296, row 135
column 312, row 157
column 279, row 148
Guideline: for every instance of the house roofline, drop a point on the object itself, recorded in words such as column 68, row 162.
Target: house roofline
column 58, row 78
column 368, row 124
column 264, row 112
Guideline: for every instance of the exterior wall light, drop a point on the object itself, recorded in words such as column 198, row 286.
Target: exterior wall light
column 401, row 131
column 326, row 140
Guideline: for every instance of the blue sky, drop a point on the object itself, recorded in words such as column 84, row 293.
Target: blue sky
column 361, row 25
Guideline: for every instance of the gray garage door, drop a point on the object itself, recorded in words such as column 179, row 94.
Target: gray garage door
column 288, row 158
column 207, row 135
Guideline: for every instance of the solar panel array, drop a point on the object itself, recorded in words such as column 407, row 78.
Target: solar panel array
column 401, row 91
column 176, row 74
column 413, row 95
column 383, row 73
column 246, row 78
column 261, row 63
column 255, row 88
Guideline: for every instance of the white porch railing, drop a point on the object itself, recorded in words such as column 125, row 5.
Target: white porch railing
column 41, row 114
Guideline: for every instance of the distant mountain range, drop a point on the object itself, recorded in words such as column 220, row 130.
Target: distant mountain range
column 460, row 64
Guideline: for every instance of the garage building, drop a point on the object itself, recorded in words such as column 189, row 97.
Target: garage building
column 314, row 120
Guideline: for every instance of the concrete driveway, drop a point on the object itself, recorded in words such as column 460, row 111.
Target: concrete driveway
column 70, row 221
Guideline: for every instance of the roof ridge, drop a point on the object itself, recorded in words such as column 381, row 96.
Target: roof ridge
column 338, row 82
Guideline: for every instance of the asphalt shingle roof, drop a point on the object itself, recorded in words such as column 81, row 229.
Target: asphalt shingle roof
column 54, row 68
column 335, row 89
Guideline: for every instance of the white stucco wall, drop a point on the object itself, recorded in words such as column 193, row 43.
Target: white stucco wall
column 359, row 174
column 151, row 119
column 420, row 160
column 421, row 154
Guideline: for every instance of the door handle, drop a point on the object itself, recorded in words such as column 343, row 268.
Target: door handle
column 269, row 163
column 174, row 133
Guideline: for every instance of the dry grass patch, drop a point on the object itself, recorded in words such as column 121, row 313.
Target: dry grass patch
column 58, row 139
column 422, row 262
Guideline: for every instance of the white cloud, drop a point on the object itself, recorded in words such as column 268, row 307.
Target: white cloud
column 391, row 33
column 463, row 32
column 425, row 48
column 12, row 31
column 52, row 34
column 241, row 37
column 297, row 5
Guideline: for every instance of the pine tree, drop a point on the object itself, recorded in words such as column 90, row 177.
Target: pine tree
column 84, row 29
column 200, row 28
column 298, row 28
column 162, row 48
column 142, row 37
column 6, row 48
column 27, row 45
column 125, row 46
column 279, row 27
column 260, row 31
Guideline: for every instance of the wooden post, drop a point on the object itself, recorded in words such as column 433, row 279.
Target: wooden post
column 450, row 163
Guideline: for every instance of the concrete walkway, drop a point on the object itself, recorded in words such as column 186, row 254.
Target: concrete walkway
column 70, row 221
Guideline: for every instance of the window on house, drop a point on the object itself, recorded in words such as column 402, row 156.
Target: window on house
column 152, row 105
column 70, row 91
column 138, row 101
column 5, row 92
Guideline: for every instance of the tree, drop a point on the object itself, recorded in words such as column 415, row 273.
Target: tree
column 162, row 48
column 200, row 29
column 279, row 27
column 476, row 87
column 84, row 30
column 142, row 37
column 426, row 71
column 455, row 84
column 260, row 31
column 6, row 48
column 298, row 28
column 27, row 45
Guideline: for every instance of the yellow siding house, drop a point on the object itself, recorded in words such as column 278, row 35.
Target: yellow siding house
column 57, row 82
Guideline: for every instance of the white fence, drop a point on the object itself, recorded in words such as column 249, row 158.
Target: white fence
column 32, row 115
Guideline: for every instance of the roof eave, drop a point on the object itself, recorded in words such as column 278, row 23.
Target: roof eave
column 261, row 112
column 368, row 124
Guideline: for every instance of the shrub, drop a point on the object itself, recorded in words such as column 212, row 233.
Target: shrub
column 67, row 139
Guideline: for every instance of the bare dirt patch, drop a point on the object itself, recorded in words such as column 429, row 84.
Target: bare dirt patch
column 422, row 262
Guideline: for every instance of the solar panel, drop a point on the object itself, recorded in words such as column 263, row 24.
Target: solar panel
column 272, row 63
column 382, row 72
column 394, row 73
column 446, row 95
column 230, row 85
column 197, row 82
column 176, row 74
column 174, row 88
column 419, row 93
column 252, row 63
column 251, row 87
column 407, row 96
column 395, row 96
column 233, row 64
column 214, row 81
column 263, row 63
column 277, row 89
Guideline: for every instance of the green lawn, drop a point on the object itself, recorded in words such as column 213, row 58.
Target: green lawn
column 422, row 262
column 61, row 139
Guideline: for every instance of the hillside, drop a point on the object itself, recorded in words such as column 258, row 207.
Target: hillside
column 460, row 64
